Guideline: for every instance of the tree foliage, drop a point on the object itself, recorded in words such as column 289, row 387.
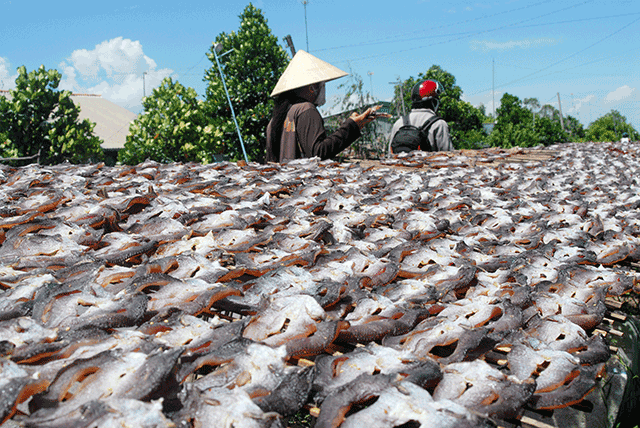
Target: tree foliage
column 574, row 128
column 372, row 142
column 173, row 128
column 549, row 131
column 510, row 135
column 465, row 121
column 511, row 111
column 40, row 119
column 610, row 127
column 526, row 124
column 251, row 70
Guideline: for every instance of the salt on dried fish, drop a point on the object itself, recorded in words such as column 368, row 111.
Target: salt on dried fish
column 486, row 390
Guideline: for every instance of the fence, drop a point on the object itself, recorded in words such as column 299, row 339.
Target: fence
column 36, row 156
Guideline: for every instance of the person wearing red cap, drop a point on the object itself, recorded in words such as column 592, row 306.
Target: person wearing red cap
column 296, row 129
column 422, row 128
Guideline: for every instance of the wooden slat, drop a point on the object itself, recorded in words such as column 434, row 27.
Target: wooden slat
column 313, row 411
column 613, row 303
column 616, row 332
column 534, row 423
column 303, row 362
column 618, row 316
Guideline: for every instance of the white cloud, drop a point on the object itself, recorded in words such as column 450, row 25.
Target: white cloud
column 577, row 102
column 68, row 81
column 486, row 99
column 619, row 94
column 116, row 57
column 114, row 69
column 488, row 45
column 585, row 109
column 7, row 81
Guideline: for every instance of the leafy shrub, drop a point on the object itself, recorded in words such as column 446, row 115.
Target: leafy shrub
column 172, row 128
column 39, row 119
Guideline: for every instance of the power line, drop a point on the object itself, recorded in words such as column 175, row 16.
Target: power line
column 472, row 34
column 194, row 66
column 565, row 58
column 626, row 53
column 570, row 21
column 386, row 39
column 515, row 66
column 606, row 58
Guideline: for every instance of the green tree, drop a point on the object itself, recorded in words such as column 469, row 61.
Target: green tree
column 517, row 125
column 550, row 112
column 486, row 117
column 465, row 121
column 372, row 142
column 251, row 70
column 549, row 131
column 510, row 135
column 532, row 104
column 574, row 128
column 610, row 127
column 511, row 111
column 39, row 119
column 172, row 128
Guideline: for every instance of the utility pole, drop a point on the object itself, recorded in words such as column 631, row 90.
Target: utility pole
column 560, row 108
column 305, row 2
column 144, row 89
column 289, row 41
column 370, row 73
column 401, row 96
column 493, row 89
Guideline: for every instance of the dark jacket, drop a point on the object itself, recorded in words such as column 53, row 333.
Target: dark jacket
column 303, row 135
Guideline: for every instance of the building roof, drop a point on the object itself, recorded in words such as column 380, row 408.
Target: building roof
column 112, row 121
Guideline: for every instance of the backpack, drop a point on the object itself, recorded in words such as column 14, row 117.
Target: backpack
column 409, row 137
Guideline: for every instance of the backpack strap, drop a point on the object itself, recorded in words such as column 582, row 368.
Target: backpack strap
column 424, row 133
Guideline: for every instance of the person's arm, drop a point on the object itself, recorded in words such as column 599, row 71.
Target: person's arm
column 441, row 136
column 313, row 137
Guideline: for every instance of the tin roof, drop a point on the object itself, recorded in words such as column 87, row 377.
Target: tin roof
column 112, row 121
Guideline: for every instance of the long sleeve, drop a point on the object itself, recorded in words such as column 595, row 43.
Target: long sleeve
column 304, row 134
column 313, row 137
column 440, row 132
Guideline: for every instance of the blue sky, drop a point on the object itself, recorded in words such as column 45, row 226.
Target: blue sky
column 587, row 51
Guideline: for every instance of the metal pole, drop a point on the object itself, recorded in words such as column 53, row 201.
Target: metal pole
column 401, row 96
column 305, row 2
column 493, row 90
column 404, row 110
column 560, row 109
column 370, row 73
column 289, row 41
column 215, row 53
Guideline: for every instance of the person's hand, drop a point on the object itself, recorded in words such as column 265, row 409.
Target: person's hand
column 368, row 116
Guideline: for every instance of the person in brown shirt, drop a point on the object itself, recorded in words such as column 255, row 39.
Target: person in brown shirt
column 296, row 129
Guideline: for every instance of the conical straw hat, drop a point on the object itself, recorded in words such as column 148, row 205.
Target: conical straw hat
column 305, row 69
